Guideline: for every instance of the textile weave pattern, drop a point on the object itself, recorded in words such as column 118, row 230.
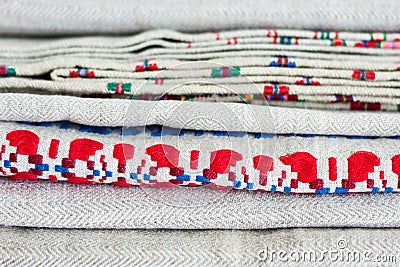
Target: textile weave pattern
column 37, row 247
column 65, row 205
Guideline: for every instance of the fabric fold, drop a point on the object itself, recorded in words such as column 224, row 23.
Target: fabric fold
column 195, row 115
column 40, row 18
column 65, row 205
column 165, row 157
column 147, row 133
column 325, row 70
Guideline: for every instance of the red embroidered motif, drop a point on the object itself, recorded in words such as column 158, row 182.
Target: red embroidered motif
column 276, row 89
column 396, row 167
column 361, row 164
column 357, row 105
column 166, row 156
column 146, row 65
column 123, row 152
column 264, row 164
column 122, row 182
column 83, row 148
column 222, row 160
column 235, row 41
column 81, row 72
column 20, row 159
column 25, row 141
column 53, row 150
column 304, row 164
column 332, row 169
column 363, row 75
column 307, row 81
column 194, row 159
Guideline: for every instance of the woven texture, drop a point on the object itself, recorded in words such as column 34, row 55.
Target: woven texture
column 327, row 70
column 166, row 157
column 65, row 205
column 58, row 17
column 100, row 85
column 105, row 142
column 196, row 116
column 38, row 247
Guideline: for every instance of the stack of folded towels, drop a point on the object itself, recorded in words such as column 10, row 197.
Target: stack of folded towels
column 248, row 109
column 191, row 122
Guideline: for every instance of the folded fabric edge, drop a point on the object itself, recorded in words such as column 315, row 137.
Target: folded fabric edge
column 196, row 115
column 219, row 160
column 64, row 205
column 57, row 18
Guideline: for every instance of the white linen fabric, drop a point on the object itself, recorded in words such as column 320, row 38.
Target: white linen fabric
column 100, row 17
column 65, row 205
column 333, row 247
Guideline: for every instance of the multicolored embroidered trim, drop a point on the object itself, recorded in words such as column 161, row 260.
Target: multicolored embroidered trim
column 119, row 88
column 283, row 62
column 338, row 42
column 233, row 41
column 378, row 36
column 146, row 65
column 370, row 44
column 159, row 80
column 363, row 75
column 225, row 72
column 277, row 97
column 307, row 81
column 81, row 72
column 31, row 153
column 286, row 40
column 326, row 35
column 276, row 89
column 7, row 72
column 343, row 99
column 364, row 106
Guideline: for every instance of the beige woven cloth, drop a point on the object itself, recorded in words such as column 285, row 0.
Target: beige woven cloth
column 327, row 70
column 290, row 247
column 196, row 115
column 65, row 205
column 40, row 17
column 338, row 65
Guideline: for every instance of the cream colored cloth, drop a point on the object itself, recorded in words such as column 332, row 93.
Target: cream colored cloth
column 65, row 205
column 317, row 247
column 76, row 17
column 327, row 70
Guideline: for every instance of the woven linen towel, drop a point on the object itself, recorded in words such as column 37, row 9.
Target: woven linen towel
column 333, row 247
column 329, row 152
column 134, row 133
column 232, row 117
column 293, row 68
column 167, row 157
column 40, row 17
column 66, row 205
